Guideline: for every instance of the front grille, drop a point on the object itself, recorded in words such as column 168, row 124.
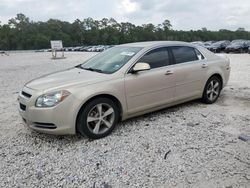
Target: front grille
column 22, row 106
column 26, row 94
column 45, row 125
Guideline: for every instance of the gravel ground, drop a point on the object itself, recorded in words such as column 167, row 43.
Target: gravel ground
column 189, row 145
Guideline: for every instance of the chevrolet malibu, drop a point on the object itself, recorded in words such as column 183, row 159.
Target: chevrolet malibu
column 122, row 82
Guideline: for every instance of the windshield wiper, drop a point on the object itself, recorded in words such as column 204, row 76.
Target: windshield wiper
column 92, row 69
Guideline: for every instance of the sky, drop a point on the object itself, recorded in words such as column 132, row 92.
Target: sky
column 183, row 14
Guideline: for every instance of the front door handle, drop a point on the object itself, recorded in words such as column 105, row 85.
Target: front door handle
column 204, row 65
column 169, row 72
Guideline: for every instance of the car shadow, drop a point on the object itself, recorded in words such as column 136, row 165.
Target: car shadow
column 64, row 139
column 167, row 110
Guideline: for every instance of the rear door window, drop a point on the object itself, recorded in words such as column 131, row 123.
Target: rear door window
column 183, row 54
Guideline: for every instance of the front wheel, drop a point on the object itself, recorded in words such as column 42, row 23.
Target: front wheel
column 98, row 118
column 212, row 90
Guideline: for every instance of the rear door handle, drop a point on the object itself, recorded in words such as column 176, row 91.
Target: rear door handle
column 204, row 65
column 169, row 72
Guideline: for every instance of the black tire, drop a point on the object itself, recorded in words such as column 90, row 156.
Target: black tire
column 84, row 128
column 206, row 98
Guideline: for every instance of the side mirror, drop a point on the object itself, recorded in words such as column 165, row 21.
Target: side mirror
column 140, row 67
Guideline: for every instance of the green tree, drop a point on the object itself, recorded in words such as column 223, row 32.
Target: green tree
column 20, row 33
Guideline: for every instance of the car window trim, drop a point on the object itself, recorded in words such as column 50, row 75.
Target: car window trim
column 187, row 61
column 172, row 59
column 205, row 58
column 197, row 54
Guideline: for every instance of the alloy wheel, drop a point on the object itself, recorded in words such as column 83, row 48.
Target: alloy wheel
column 100, row 118
column 213, row 90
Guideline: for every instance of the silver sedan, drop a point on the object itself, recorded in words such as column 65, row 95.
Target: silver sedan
column 122, row 82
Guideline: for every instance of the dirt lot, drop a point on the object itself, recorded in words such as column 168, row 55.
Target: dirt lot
column 201, row 141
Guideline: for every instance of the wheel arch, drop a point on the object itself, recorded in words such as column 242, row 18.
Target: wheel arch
column 109, row 96
column 218, row 76
column 204, row 95
column 213, row 74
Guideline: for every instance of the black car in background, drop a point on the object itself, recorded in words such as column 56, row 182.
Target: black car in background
column 238, row 46
column 206, row 44
column 219, row 46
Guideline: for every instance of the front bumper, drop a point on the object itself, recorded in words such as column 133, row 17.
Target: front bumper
column 59, row 119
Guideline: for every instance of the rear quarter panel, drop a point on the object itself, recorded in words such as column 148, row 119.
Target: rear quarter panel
column 218, row 64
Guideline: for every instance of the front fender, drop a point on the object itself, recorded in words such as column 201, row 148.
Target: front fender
column 113, row 88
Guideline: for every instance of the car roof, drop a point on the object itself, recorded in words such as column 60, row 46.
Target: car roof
column 156, row 43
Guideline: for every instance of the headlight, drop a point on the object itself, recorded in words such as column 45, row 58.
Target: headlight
column 51, row 99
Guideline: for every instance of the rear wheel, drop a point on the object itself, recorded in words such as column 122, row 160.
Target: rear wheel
column 212, row 90
column 98, row 118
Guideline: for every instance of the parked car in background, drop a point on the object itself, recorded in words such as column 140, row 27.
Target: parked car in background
column 238, row 46
column 219, row 46
column 207, row 44
column 96, row 48
column 70, row 49
column 48, row 50
column 85, row 48
column 99, row 48
column 41, row 50
column 125, row 81
column 248, row 45
column 199, row 43
column 77, row 48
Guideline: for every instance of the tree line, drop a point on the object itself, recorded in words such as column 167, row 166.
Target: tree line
column 22, row 34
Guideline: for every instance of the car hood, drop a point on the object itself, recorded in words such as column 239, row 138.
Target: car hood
column 67, row 78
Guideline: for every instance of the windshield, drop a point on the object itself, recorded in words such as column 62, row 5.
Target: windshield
column 111, row 60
